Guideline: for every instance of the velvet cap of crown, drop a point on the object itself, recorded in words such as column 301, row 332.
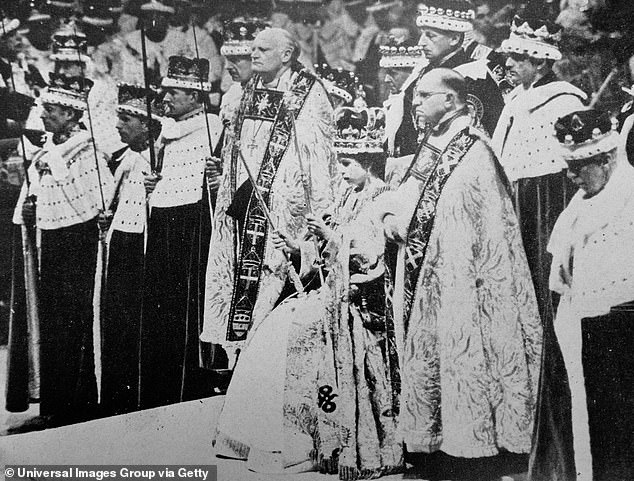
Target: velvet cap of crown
column 396, row 53
column 156, row 6
column 67, row 91
column 9, row 25
column 186, row 73
column 132, row 100
column 448, row 15
column 69, row 44
column 586, row 133
column 359, row 131
column 534, row 37
column 339, row 82
column 239, row 35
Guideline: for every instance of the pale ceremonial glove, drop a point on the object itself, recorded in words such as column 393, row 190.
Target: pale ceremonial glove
column 29, row 211
column 318, row 227
column 284, row 243
column 150, row 181
column 213, row 172
column 104, row 220
column 391, row 229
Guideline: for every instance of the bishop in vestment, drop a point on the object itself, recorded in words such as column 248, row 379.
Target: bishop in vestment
column 245, row 273
column 467, row 326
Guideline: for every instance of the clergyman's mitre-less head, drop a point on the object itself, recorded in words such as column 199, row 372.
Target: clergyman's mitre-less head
column 273, row 50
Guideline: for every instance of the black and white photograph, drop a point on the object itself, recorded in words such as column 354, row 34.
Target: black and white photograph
column 317, row 240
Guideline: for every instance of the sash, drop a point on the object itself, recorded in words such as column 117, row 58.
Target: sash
column 422, row 221
column 260, row 104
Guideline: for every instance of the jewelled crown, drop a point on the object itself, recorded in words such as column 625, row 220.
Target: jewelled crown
column 359, row 131
column 239, row 35
column 397, row 53
column 586, row 133
column 132, row 100
column 450, row 15
column 69, row 44
column 339, row 82
column 186, row 73
column 533, row 37
column 67, row 91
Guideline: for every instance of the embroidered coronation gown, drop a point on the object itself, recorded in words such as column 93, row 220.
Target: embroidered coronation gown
column 315, row 387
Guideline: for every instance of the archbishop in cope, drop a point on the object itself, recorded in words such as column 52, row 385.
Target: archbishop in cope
column 245, row 273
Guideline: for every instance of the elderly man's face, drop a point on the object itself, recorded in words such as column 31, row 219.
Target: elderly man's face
column 429, row 104
column 239, row 67
column 437, row 43
column 589, row 176
column 268, row 54
column 395, row 77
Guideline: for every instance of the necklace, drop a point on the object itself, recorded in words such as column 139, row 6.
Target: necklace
column 251, row 146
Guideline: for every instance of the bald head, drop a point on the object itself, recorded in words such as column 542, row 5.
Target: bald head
column 439, row 93
column 448, row 80
column 272, row 53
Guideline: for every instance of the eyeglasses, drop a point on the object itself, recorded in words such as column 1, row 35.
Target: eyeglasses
column 426, row 95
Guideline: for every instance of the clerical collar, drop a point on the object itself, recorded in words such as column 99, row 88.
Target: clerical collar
column 444, row 125
column 191, row 114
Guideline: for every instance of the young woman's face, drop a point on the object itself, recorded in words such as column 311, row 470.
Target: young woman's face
column 353, row 172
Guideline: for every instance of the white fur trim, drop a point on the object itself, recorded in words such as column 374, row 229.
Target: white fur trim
column 154, row 6
column 186, row 84
column 98, row 21
column 443, row 22
column 532, row 48
column 236, row 49
column 58, row 97
column 126, row 109
column 399, row 61
column 339, row 92
column 592, row 147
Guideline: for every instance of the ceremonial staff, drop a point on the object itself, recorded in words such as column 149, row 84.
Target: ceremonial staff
column 30, row 285
column 92, row 132
column 305, row 177
column 297, row 283
column 200, row 79
column 156, row 168
column 102, row 255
